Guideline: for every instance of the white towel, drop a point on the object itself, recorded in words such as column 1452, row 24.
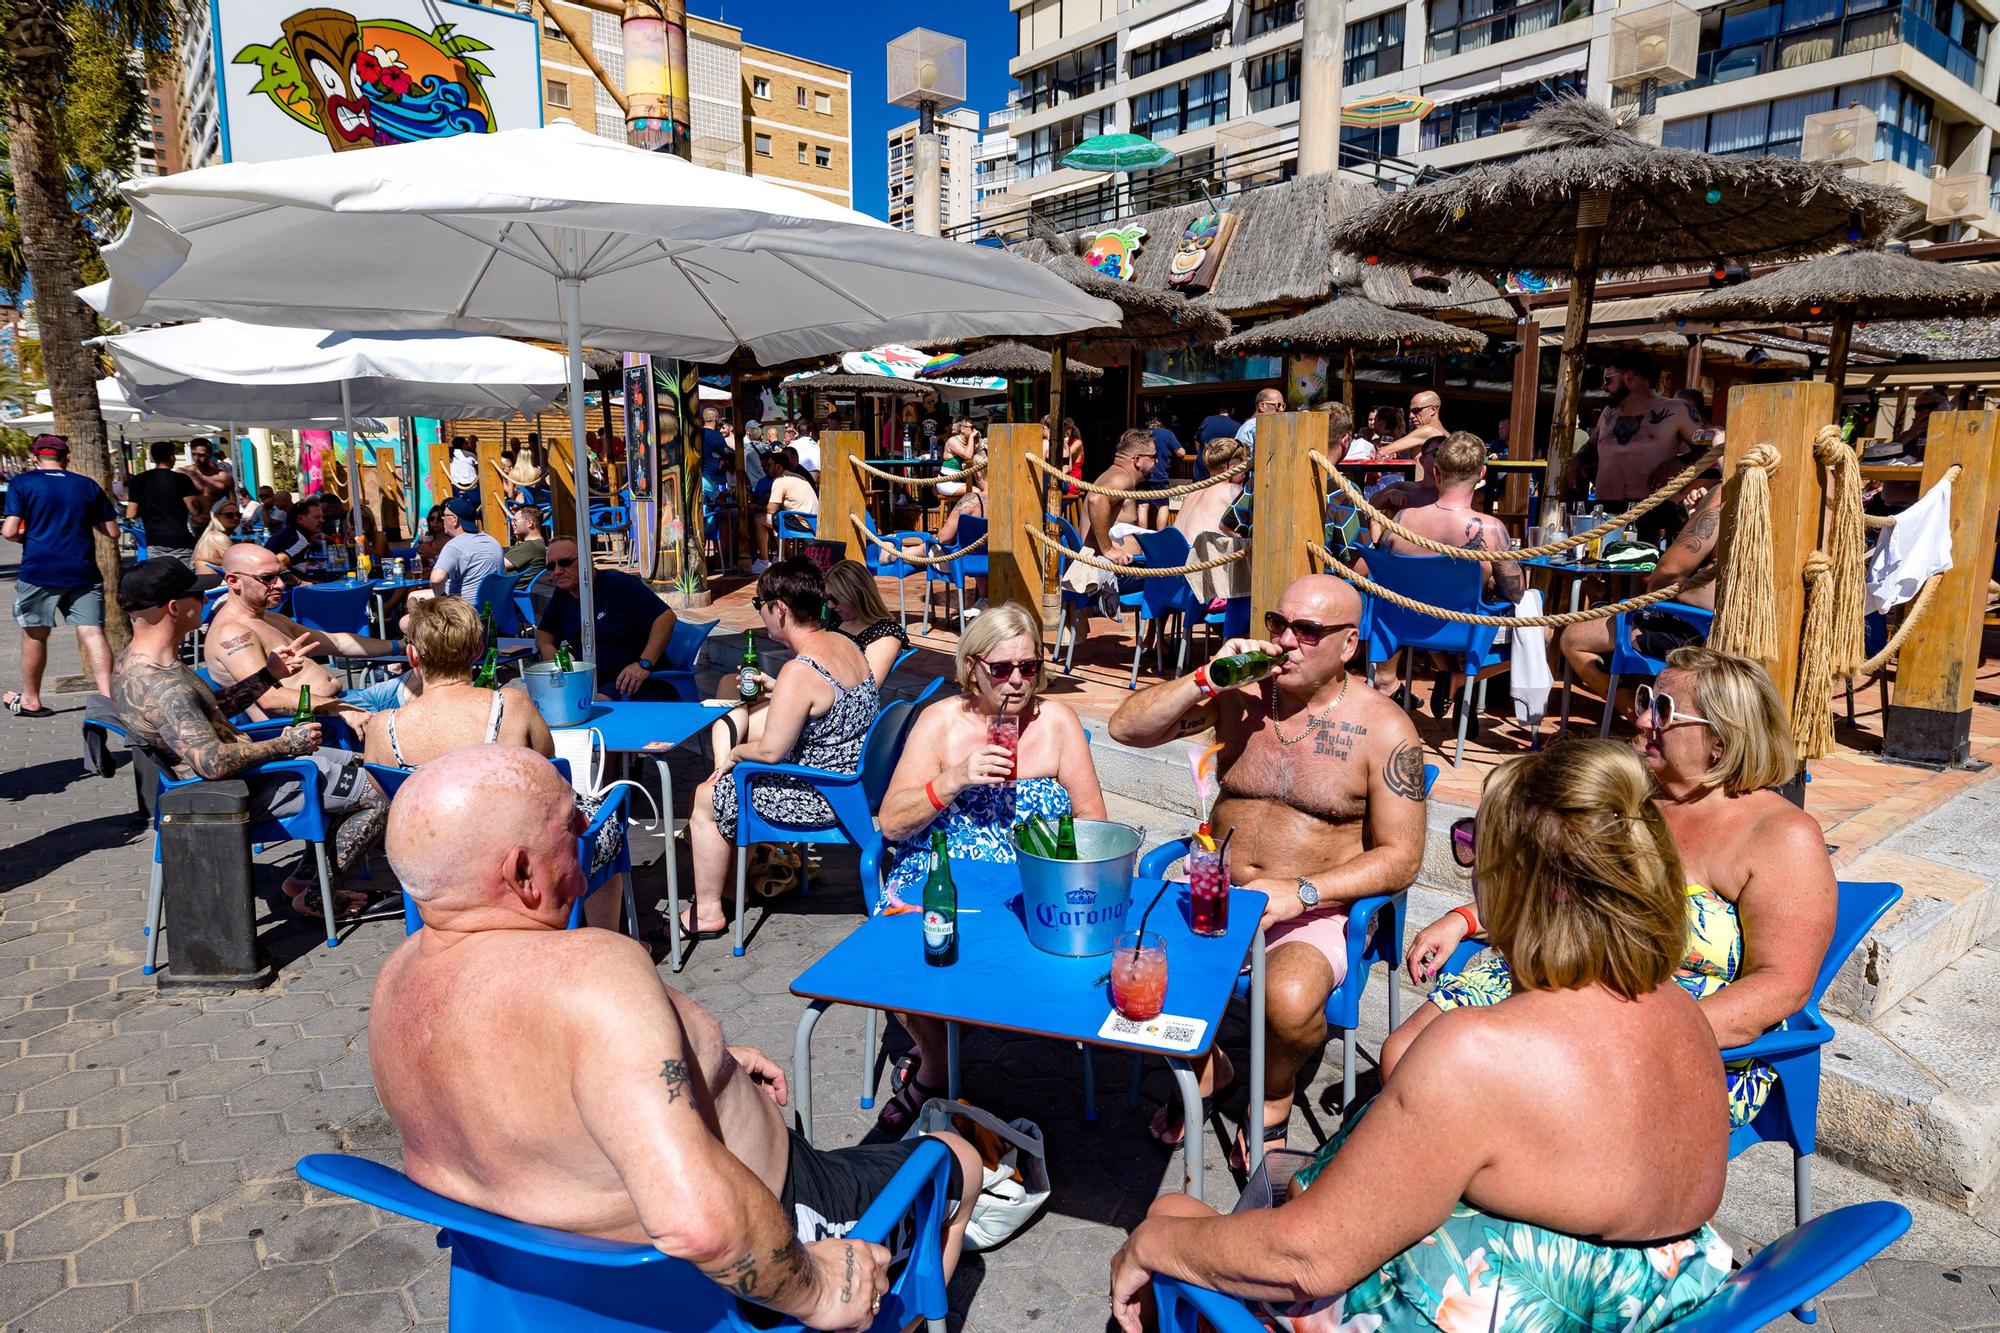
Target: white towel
column 1528, row 664
column 1905, row 556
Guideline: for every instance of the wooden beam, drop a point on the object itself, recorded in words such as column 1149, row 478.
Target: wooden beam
column 492, row 492
column 1014, row 502
column 1786, row 416
column 559, row 467
column 843, row 491
column 1930, row 721
column 1288, row 505
column 1521, row 414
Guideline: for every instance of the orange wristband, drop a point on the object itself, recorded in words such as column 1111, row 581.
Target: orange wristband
column 1471, row 917
column 936, row 804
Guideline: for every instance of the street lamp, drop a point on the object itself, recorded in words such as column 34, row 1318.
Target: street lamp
column 927, row 74
column 1651, row 45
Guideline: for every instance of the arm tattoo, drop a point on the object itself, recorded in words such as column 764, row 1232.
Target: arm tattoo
column 1404, row 773
column 788, row 1269
column 233, row 699
column 1508, row 581
column 675, row 1074
column 738, row 1277
column 171, row 704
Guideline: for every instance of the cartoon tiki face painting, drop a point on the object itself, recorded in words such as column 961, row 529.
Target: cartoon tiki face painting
column 326, row 46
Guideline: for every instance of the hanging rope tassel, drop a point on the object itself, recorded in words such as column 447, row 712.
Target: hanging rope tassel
column 1845, row 545
column 1745, row 619
column 1812, row 697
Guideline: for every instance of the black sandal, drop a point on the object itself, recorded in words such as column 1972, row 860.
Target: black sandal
column 1277, row 1134
column 900, row 1111
column 905, row 1069
column 1172, row 1108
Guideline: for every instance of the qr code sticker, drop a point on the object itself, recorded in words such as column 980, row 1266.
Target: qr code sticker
column 1179, row 1034
column 1125, row 1027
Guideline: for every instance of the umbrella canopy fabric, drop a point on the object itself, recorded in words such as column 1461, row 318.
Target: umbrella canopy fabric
column 469, row 233
column 1012, row 360
column 1862, row 284
column 1386, row 109
column 131, row 429
column 223, row 370
column 1345, row 324
column 1117, row 152
column 1666, row 206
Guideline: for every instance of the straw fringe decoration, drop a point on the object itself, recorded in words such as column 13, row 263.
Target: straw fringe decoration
column 1745, row 619
column 1812, row 697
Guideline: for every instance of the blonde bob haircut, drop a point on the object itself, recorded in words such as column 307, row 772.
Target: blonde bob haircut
column 1009, row 620
column 849, row 581
column 445, row 632
column 1579, row 881
column 1751, row 723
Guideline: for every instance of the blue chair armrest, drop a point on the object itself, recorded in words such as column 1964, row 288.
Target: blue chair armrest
column 1806, row 1032
column 1184, row 1308
column 1464, row 954
column 1154, row 864
column 898, row 538
column 819, row 777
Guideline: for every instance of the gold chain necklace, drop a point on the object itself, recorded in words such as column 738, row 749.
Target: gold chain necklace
column 1317, row 720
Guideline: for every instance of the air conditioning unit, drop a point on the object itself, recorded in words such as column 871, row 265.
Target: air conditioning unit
column 1845, row 137
column 1957, row 196
column 1659, row 42
column 926, row 66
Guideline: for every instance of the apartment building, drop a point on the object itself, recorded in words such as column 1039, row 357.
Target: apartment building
column 156, row 148
column 197, row 123
column 958, row 144
column 993, row 161
column 1218, row 79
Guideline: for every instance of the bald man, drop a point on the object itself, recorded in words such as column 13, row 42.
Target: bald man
column 1322, row 784
column 1426, row 425
column 247, row 629
column 550, row 1076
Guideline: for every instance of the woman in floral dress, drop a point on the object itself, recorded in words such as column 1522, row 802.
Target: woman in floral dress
column 952, row 777
column 1547, row 1163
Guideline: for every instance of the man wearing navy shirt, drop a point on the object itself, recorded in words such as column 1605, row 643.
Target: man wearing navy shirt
column 1166, row 445
column 54, row 514
column 633, row 626
column 1216, row 427
column 716, row 455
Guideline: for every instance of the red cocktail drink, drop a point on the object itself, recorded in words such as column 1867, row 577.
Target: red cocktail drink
column 1004, row 730
column 1139, row 975
column 1208, row 892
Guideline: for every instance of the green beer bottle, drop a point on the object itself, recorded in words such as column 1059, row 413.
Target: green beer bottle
column 1226, row 673
column 747, row 688
column 304, row 712
column 1066, row 838
column 940, row 907
column 564, row 662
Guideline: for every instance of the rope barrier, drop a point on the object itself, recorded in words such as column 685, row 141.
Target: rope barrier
column 1142, row 571
column 1918, row 606
column 1605, row 612
column 1145, row 497
column 1637, row 511
column 969, row 470
column 903, row 554
column 1878, row 522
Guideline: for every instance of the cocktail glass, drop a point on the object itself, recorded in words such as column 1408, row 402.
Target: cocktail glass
column 1004, row 730
column 1139, row 975
column 1208, row 892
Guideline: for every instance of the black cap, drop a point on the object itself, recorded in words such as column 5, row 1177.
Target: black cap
column 162, row 579
column 467, row 510
column 53, row 445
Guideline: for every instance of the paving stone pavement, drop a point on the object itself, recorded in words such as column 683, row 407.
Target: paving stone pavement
column 147, row 1141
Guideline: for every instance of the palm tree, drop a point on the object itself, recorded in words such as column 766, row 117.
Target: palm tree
column 35, row 46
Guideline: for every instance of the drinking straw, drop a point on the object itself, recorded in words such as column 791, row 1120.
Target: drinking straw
column 1222, row 852
column 1149, row 911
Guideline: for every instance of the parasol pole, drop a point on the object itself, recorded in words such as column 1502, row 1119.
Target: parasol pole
column 1836, row 348
column 1592, row 211
column 570, row 286
column 353, row 473
column 1347, row 383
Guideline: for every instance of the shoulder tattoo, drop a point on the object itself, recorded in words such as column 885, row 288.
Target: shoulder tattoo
column 1404, row 773
column 675, row 1074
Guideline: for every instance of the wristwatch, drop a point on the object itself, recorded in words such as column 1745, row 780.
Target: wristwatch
column 645, row 664
column 1308, row 893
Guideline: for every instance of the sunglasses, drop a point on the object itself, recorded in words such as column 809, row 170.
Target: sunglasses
column 1464, row 840
column 1308, row 633
column 1660, row 708
column 275, row 576
column 1026, row 669
column 563, row 564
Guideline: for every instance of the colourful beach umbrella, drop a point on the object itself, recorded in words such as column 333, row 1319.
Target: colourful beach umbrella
column 1385, row 109
column 1117, row 152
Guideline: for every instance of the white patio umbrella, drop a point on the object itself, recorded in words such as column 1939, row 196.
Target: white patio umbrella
column 555, row 233
column 253, row 372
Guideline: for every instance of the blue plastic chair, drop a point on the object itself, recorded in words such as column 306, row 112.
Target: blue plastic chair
column 1387, row 913
column 612, row 810
column 1455, row 585
column 882, row 565
column 495, row 594
column 510, row 1277
column 1629, row 661
column 524, row 600
column 334, row 608
column 682, row 655
column 954, row 574
column 1076, row 606
column 1785, row 1274
column 791, row 525
column 1162, row 600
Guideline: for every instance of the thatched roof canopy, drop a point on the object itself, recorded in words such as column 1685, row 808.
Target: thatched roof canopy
column 1938, row 339
column 1153, row 315
column 833, row 381
column 1867, row 284
column 1665, row 205
column 1011, row 360
column 1348, row 323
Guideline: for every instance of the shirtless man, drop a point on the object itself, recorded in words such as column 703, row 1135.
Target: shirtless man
column 212, row 480
column 1586, row 646
column 247, row 629
column 1641, row 438
column 1323, row 823
column 548, row 1075
column 1452, row 518
column 1426, row 425
column 1129, row 469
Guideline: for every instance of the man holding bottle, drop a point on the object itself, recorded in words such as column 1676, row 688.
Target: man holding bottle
column 1322, row 783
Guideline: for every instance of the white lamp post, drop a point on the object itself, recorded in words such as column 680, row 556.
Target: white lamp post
column 927, row 74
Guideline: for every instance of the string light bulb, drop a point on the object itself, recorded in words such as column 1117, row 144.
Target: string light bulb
column 1715, row 196
column 1813, row 310
column 1371, row 260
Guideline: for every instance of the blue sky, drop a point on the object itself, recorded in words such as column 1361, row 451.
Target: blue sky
column 856, row 37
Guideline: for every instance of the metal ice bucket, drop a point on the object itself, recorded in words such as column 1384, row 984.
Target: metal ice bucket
column 1076, row 908
column 562, row 697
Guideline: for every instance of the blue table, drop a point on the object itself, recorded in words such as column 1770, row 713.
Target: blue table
column 632, row 727
column 1003, row 981
column 1578, row 568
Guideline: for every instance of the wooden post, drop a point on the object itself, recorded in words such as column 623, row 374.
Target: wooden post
column 1786, row 416
column 1014, row 502
column 395, row 512
column 1288, row 506
column 1591, row 215
column 1930, row 721
column 1527, row 393
column 560, row 470
column 492, row 491
column 1836, row 347
column 843, row 491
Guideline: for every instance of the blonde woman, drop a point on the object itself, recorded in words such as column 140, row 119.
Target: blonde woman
column 215, row 539
column 1759, row 892
column 953, row 777
column 1438, row 1205
column 445, row 643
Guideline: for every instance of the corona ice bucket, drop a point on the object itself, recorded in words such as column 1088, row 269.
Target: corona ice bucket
column 1076, row 908
column 562, row 697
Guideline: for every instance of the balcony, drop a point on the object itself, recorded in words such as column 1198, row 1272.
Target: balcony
column 1520, row 21
column 1860, row 32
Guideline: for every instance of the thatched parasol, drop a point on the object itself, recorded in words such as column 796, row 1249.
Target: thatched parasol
column 1154, row 316
column 1594, row 197
column 1343, row 326
column 1841, row 288
column 1012, row 361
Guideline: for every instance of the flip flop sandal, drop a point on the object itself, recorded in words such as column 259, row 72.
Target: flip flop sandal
column 14, row 705
column 305, row 903
column 1171, row 1110
column 1239, row 1161
column 905, row 1069
column 688, row 932
column 900, row 1111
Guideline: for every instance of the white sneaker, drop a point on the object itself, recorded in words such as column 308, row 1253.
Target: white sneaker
column 976, row 608
column 759, row 566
